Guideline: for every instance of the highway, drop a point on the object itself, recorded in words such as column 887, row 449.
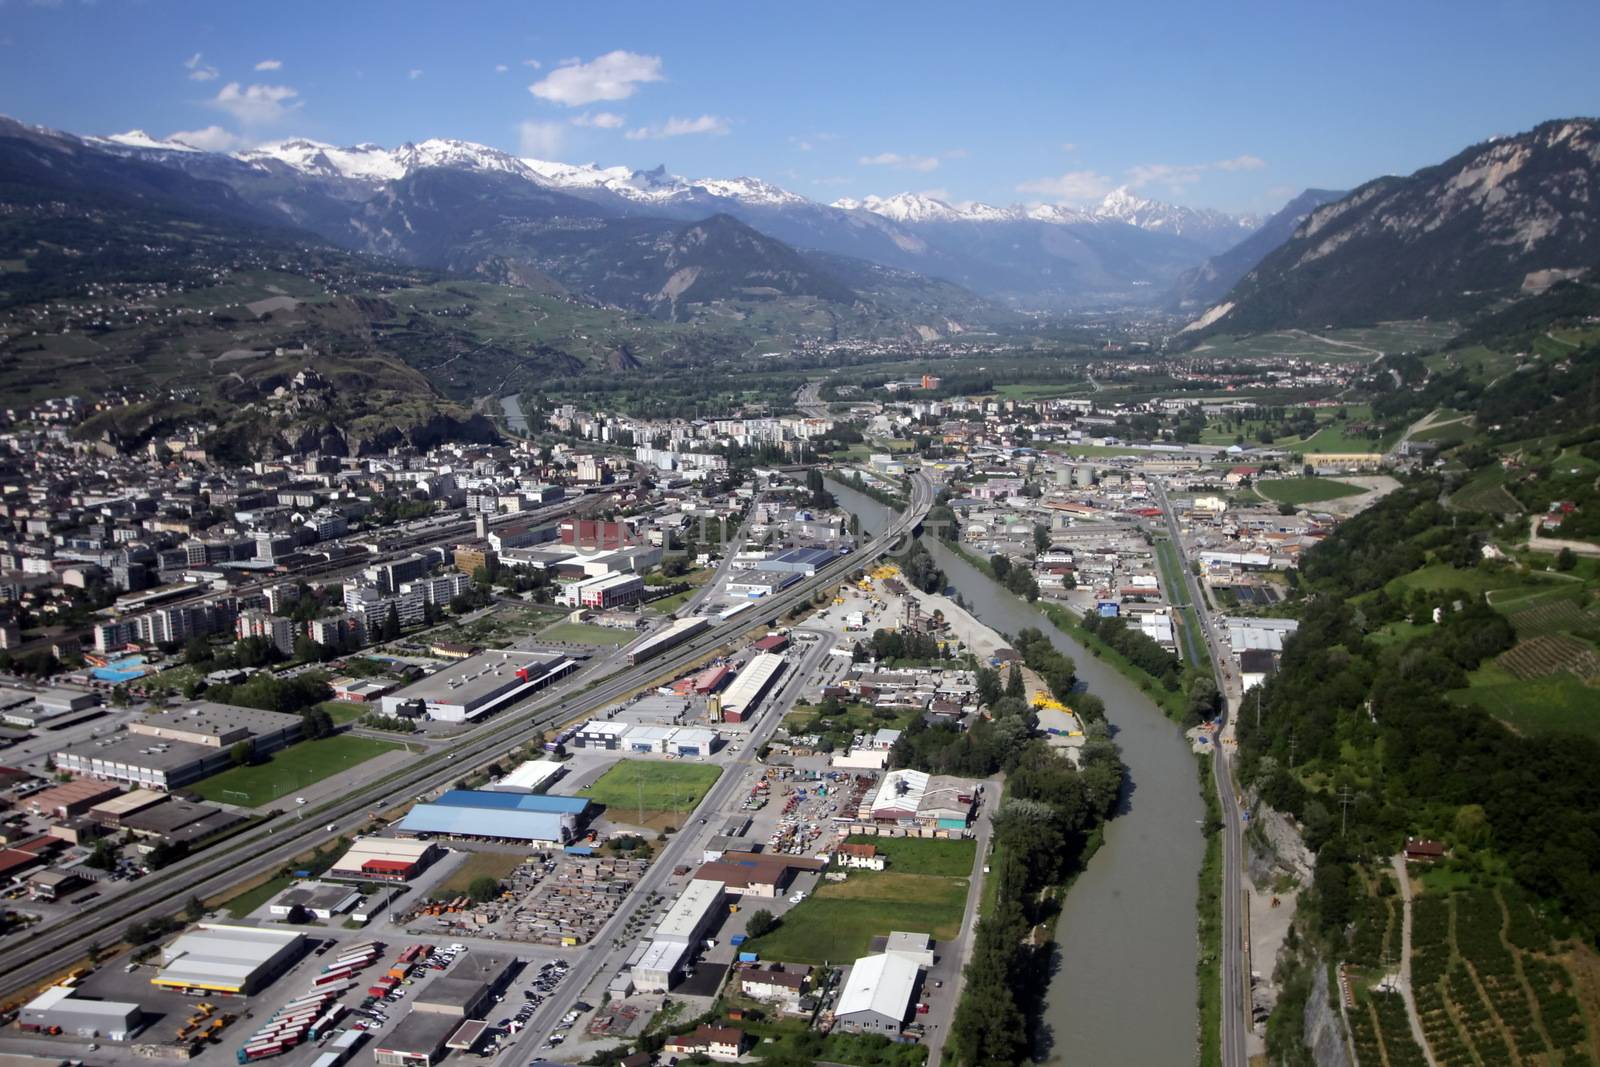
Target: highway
column 1236, row 999
column 51, row 949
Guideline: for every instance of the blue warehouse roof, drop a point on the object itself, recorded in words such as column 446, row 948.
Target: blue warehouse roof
column 530, row 802
column 815, row 556
column 482, row 822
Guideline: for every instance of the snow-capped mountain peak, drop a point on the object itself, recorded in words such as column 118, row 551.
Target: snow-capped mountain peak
column 141, row 140
column 1123, row 205
column 749, row 191
column 914, row 207
column 375, row 163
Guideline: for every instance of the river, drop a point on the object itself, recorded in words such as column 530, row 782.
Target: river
column 1124, row 990
column 516, row 421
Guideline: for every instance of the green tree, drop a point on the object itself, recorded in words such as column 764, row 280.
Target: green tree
column 1566, row 559
column 1014, row 684
column 1041, row 537
column 103, row 857
column 760, row 922
column 484, row 889
column 243, row 753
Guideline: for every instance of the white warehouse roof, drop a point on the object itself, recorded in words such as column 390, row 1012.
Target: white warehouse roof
column 882, row 984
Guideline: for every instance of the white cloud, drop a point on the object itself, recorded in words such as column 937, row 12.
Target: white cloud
column 802, row 144
column 1069, row 146
column 199, row 71
column 211, row 139
column 540, row 140
column 613, row 76
column 535, row 64
column 922, row 164
column 676, row 127
column 600, row 120
column 1178, row 175
column 938, row 192
column 256, row 104
column 414, row 73
column 270, row 64
column 1076, row 186
column 832, row 179
column 500, row 68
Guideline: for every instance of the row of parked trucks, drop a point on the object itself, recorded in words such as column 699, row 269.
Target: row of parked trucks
column 317, row 1012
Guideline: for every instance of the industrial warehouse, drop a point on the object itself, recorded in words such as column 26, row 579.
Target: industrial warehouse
column 474, row 687
column 525, row 817
column 217, row 958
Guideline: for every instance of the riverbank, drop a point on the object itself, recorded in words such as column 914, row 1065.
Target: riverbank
column 1122, row 985
column 1172, row 702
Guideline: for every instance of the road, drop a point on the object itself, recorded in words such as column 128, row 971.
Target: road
column 599, row 960
column 49, row 949
column 1236, row 1000
column 730, row 549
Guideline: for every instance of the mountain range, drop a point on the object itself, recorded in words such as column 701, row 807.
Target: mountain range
column 1498, row 221
column 1126, row 249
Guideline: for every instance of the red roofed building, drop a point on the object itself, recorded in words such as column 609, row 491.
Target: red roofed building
column 718, row 1042
column 772, row 643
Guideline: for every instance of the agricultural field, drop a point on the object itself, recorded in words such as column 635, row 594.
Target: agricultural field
column 1557, row 703
column 1550, row 616
column 1342, row 345
column 654, row 785
column 1491, row 985
column 1486, row 492
column 1306, row 490
column 500, row 627
column 290, row 769
column 1549, row 654
column 840, row 919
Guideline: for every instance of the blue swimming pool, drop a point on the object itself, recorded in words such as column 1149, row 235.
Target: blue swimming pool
column 125, row 669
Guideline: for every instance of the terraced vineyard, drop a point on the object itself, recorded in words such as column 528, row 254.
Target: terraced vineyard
column 1551, row 617
column 1488, row 987
column 1549, row 654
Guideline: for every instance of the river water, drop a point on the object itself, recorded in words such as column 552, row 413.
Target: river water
column 1124, row 989
column 516, row 421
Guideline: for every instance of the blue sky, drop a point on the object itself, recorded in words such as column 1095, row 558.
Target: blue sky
column 1230, row 105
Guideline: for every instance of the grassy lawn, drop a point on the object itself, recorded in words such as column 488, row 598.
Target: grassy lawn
column 290, row 769
column 1305, row 490
column 251, row 899
column 669, row 604
column 838, row 922
column 1335, row 439
column 1397, row 633
column 1194, row 645
column 916, row 855
column 652, row 784
column 581, row 633
column 1555, row 704
column 343, row 711
column 496, row 865
column 1040, row 390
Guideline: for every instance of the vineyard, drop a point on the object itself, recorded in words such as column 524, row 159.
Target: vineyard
column 1549, row 654
column 1487, row 987
column 1552, row 617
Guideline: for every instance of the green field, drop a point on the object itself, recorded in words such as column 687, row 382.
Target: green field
column 1040, row 390
column 1305, row 490
column 1555, row 704
column 654, row 785
column 344, row 711
column 496, row 865
column 290, row 769
column 917, row 855
column 579, row 633
column 839, row 920
column 1437, row 576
